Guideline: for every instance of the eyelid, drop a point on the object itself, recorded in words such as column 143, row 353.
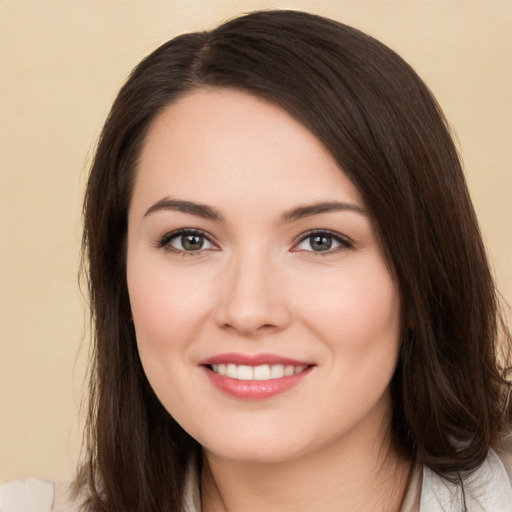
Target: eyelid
column 344, row 241
column 164, row 241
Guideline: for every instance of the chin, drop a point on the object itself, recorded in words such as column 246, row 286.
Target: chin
column 264, row 446
column 253, row 452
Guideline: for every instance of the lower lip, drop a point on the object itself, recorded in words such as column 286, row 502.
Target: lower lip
column 254, row 389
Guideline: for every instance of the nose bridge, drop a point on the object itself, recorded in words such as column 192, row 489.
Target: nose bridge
column 252, row 298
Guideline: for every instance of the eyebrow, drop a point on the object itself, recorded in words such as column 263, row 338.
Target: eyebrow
column 318, row 208
column 199, row 210
column 207, row 212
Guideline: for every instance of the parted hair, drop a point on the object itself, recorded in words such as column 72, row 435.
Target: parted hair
column 388, row 134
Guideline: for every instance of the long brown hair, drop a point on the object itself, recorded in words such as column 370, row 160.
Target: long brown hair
column 386, row 131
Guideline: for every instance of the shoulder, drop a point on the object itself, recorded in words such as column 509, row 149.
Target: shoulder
column 33, row 494
column 487, row 489
column 63, row 500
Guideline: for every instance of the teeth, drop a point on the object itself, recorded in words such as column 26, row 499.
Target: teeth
column 262, row 372
column 245, row 373
column 289, row 370
column 231, row 371
column 276, row 371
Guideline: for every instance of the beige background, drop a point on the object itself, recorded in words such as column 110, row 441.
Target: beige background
column 61, row 64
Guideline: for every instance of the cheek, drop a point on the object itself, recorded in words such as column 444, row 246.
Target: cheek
column 167, row 306
column 356, row 308
column 359, row 322
column 169, row 312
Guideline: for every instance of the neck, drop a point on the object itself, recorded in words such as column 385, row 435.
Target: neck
column 363, row 471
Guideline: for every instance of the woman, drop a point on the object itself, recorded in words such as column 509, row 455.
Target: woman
column 293, row 307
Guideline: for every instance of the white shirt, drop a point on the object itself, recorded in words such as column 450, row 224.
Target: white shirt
column 488, row 489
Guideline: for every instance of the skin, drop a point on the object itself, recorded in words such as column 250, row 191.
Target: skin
column 257, row 286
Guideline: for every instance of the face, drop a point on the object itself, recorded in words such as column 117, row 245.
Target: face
column 266, row 318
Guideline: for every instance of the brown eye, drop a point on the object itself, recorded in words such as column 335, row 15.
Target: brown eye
column 186, row 241
column 322, row 241
column 191, row 242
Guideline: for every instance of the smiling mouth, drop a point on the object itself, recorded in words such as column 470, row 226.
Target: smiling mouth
column 261, row 372
column 255, row 377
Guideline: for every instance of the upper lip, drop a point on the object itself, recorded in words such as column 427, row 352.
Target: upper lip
column 253, row 360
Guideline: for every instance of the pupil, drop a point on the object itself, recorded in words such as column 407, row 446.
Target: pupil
column 321, row 243
column 192, row 242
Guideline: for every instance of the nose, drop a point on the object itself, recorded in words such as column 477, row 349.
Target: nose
column 252, row 299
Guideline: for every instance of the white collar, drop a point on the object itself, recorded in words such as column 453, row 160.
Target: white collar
column 487, row 489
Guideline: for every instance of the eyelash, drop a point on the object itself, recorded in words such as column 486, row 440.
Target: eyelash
column 343, row 242
column 164, row 242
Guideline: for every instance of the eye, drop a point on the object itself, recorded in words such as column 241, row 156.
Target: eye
column 322, row 241
column 186, row 241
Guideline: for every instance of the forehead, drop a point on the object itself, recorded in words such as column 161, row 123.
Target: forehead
column 216, row 143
